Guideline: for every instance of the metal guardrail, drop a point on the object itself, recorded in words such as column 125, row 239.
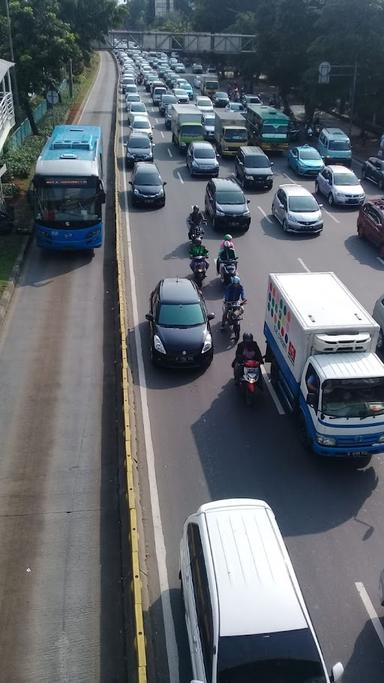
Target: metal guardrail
column 7, row 114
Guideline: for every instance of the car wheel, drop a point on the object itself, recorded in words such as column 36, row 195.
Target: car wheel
column 331, row 200
column 363, row 173
column 360, row 232
column 285, row 225
column 153, row 357
column 317, row 189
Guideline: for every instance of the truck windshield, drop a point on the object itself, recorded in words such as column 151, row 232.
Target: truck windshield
column 353, row 398
column 190, row 129
column 233, row 134
column 282, row 657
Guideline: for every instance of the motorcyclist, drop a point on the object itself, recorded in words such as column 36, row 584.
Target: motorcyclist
column 198, row 248
column 248, row 349
column 234, row 293
column 196, row 216
column 226, row 253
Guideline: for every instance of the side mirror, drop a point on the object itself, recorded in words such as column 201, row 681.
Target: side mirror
column 320, row 206
column 149, row 317
column 336, row 672
column 272, row 163
column 130, row 182
column 211, row 316
column 312, row 400
column 248, row 201
column 164, row 183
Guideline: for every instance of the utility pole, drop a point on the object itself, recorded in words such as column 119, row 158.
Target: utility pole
column 353, row 97
column 13, row 69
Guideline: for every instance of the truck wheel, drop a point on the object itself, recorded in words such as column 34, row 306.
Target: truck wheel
column 303, row 436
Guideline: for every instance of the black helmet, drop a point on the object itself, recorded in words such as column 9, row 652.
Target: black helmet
column 247, row 337
column 195, row 208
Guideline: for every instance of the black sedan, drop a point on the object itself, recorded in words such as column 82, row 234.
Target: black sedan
column 220, row 99
column 179, row 325
column 373, row 169
column 147, row 185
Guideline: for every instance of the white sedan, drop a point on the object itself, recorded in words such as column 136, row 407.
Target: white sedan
column 204, row 104
column 340, row 185
column 141, row 123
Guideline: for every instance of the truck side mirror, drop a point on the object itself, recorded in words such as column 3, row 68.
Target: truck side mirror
column 149, row 317
column 312, row 400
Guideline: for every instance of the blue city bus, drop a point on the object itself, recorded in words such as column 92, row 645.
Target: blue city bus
column 68, row 191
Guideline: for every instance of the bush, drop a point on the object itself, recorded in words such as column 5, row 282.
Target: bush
column 19, row 161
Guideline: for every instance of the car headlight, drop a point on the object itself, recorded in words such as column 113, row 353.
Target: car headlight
column 339, row 194
column 194, row 163
column 158, row 344
column 219, row 212
column 130, row 155
column 325, row 440
column 207, row 343
column 292, row 218
column 249, row 177
column 381, row 439
column 246, row 212
column 269, row 177
column 136, row 191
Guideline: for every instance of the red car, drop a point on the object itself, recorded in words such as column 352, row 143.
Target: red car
column 370, row 223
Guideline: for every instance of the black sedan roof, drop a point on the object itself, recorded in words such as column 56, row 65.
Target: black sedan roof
column 178, row 290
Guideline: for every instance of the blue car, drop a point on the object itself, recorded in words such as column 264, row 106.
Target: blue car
column 305, row 160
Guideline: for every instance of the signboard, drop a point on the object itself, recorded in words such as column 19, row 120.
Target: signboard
column 52, row 97
column 324, row 72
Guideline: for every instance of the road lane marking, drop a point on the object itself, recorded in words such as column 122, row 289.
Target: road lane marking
column 289, row 177
column 380, row 259
column 336, row 220
column 169, row 626
column 179, row 177
column 156, row 120
column 300, row 260
column 161, row 133
column 170, row 153
column 370, row 610
column 264, row 214
column 272, row 391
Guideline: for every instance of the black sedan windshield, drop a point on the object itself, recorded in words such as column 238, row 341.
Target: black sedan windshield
column 147, row 178
column 229, row 197
column 180, row 315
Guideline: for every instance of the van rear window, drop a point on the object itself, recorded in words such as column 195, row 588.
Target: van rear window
column 339, row 145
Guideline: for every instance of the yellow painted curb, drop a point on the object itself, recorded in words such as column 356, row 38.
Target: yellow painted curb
column 136, row 590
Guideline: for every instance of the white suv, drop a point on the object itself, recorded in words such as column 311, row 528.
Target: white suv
column 245, row 614
column 297, row 210
column 340, row 185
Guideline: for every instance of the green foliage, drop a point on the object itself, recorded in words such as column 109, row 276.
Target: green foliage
column 19, row 161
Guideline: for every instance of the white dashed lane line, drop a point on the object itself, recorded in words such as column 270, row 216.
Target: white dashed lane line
column 264, row 214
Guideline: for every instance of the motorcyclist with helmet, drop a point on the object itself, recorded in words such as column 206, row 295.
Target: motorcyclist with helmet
column 248, row 349
column 226, row 253
column 198, row 252
column 194, row 219
column 234, row 293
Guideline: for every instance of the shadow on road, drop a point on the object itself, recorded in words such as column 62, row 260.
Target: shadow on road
column 363, row 252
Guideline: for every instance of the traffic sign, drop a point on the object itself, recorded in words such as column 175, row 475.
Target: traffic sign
column 324, row 72
column 52, row 97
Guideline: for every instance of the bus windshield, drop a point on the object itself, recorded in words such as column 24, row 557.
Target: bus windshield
column 64, row 202
column 281, row 129
column 353, row 398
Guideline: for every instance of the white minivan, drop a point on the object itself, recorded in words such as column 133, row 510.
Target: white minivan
column 245, row 614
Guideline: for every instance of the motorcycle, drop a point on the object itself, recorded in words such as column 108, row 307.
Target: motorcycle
column 249, row 380
column 199, row 269
column 235, row 312
column 195, row 230
column 227, row 271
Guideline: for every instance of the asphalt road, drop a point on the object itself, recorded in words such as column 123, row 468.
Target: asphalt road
column 202, row 444
column 61, row 608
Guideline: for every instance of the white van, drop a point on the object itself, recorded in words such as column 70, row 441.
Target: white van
column 246, row 617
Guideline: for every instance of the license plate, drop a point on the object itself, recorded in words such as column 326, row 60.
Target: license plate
column 184, row 359
column 357, row 453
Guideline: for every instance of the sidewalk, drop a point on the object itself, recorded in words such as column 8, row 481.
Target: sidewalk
column 362, row 149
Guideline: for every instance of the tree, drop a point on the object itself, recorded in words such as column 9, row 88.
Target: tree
column 90, row 20
column 43, row 44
